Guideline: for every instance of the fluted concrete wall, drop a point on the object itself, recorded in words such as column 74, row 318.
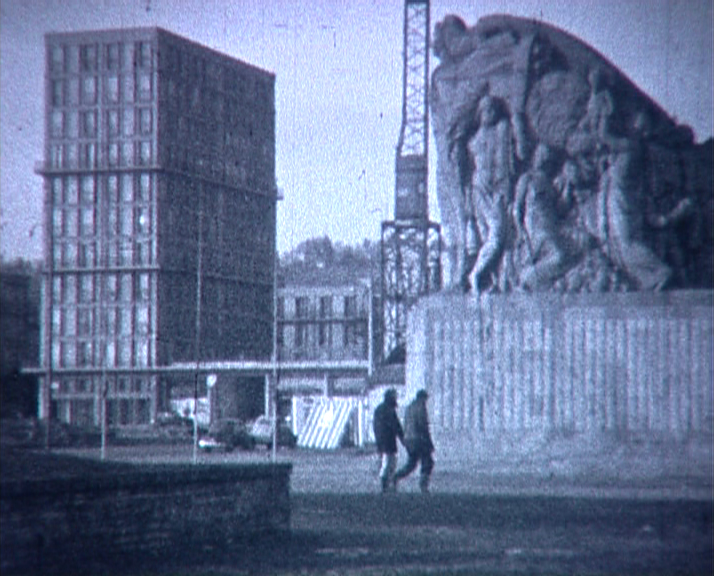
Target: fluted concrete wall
column 628, row 362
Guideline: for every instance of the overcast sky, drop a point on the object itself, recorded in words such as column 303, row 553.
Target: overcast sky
column 338, row 88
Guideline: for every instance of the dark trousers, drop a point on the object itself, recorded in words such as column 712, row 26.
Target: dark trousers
column 416, row 455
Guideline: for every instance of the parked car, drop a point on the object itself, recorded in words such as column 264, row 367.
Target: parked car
column 262, row 432
column 226, row 435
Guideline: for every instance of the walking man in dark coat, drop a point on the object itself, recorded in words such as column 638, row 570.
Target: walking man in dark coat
column 417, row 441
column 386, row 431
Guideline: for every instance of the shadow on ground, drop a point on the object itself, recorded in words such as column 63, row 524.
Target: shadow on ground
column 462, row 534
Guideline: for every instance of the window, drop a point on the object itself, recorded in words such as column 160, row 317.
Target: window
column 113, row 188
column 87, row 222
column 88, row 58
column 87, row 253
column 350, row 306
column 57, row 221
column 144, row 86
column 56, row 289
column 86, row 288
column 127, row 84
column 127, row 188
column 143, row 54
column 56, row 321
column 141, row 348
column 69, row 322
column 325, row 306
column 142, row 320
column 57, row 124
column 112, row 57
column 301, row 306
column 89, row 90
column 113, row 122
column 73, row 91
column 113, row 221
column 70, row 290
column 124, row 352
column 87, row 189
column 128, row 122
column 145, row 121
column 126, row 153
column 113, row 154
column 142, row 221
column 70, row 155
column 88, row 155
column 144, row 194
column 84, row 322
column 70, row 222
column 125, row 290
column 110, row 283
column 124, row 321
column 144, row 153
column 126, row 220
column 68, row 354
column 56, row 156
column 89, row 124
column 112, row 89
column 57, row 59
column 142, row 292
column 57, row 92
column 85, row 353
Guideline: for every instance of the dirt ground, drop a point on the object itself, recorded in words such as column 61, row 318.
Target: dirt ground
column 539, row 512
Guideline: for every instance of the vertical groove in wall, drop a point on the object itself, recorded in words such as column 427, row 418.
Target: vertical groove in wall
column 695, row 374
column 580, row 390
column 503, row 368
column 501, row 373
column 458, row 371
column 437, row 400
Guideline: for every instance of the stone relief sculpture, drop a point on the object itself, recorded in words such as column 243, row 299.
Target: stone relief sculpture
column 556, row 173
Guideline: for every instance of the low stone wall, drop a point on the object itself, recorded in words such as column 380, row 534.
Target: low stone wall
column 64, row 523
column 625, row 364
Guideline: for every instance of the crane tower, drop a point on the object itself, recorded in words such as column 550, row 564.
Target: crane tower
column 411, row 243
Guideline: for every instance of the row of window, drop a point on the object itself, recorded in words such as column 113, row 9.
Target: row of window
column 118, row 122
column 85, row 411
column 325, row 307
column 119, row 188
column 113, row 154
column 112, row 353
column 195, row 70
column 71, row 253
column 88, row 90
column 109, row 322
column 92, row 57
column 130, row 220
column 121, row 386
column 88, row 288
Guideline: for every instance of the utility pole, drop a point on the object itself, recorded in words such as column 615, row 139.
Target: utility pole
column 197, row 342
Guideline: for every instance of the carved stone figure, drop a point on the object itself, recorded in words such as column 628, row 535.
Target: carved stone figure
column 489, row 191
column 607, row 181
column 535, row 212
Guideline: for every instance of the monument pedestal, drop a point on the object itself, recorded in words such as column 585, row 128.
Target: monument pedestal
column 533, row 366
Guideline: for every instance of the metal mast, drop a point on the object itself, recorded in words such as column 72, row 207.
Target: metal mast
column 411, row 244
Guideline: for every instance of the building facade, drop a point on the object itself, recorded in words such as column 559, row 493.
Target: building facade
column 19, row 337
column 159, row 176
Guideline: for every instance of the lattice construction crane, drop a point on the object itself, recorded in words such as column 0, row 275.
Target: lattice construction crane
column 411, row 243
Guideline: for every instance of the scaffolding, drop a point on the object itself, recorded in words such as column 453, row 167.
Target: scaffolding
column 411, row 243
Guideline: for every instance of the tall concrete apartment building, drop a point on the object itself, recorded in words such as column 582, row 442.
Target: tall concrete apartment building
column 159, row 177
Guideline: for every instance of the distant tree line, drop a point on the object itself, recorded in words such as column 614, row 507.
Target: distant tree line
column 319, row 261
